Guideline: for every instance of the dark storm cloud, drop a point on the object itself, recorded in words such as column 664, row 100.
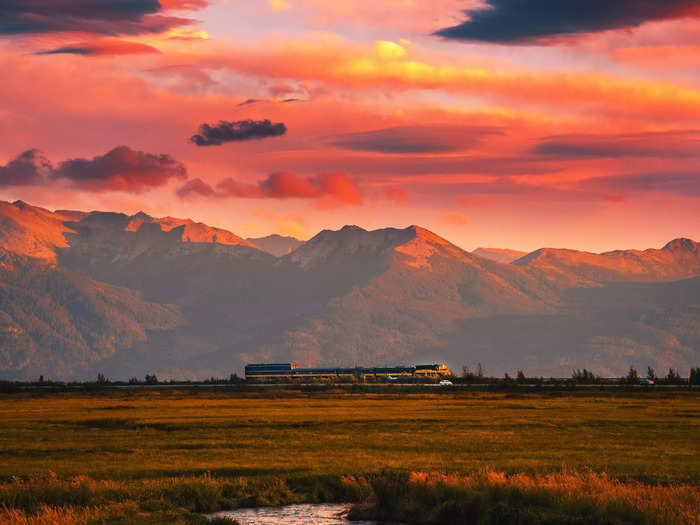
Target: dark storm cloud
column 121, row 169
column 104, row 17
column 237, row 131
column 521, row 21
column 27, row 169
column 414, row 139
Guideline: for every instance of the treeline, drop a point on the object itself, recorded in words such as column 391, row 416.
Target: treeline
column 583, row 376
column 102, row 381
column 478, row 376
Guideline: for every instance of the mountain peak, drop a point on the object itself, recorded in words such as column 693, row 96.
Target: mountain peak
column 142, row 215
column 424, row 244
column 352, row 228
column 681, row 244
column 424, row 233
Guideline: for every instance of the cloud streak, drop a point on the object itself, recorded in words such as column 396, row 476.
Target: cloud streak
column 237, row 131
column 350, row 67
column 679, row 144
column 101, row 47
column 415, row 139
column 685, row 184
column 335, row 187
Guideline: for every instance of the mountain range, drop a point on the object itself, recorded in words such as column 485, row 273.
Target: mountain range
column 88, row 292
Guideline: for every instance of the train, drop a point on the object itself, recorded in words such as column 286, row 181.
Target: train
column 284, row 372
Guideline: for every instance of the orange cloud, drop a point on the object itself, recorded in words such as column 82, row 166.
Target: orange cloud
column 335, row 188
column 339, row 187
column 278, row 5
column 398, row 195
column 185, row 5
column 668, row 56
column 335, row 62
column 454, row 219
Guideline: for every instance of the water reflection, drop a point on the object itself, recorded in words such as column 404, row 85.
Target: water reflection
column 324, row 514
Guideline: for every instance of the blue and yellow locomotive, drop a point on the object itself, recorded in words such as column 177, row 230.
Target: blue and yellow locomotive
column 284, row 372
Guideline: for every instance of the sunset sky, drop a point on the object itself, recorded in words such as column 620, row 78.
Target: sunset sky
column 567, row 124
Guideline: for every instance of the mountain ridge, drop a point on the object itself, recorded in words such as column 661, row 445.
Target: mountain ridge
column 342, row 297
column 275, row 244
column 503, row 255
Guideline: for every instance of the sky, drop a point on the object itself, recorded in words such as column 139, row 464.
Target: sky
column 495, row 123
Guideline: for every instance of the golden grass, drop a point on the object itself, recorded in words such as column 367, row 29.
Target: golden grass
column 167, row 456
column 669, row 505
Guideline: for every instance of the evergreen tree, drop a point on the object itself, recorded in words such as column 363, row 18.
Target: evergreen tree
column 672, row 376
column 694, row 377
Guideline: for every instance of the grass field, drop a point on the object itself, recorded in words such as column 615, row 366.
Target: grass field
column 167, row 455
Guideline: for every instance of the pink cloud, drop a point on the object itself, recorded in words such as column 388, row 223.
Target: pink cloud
column 336, row 187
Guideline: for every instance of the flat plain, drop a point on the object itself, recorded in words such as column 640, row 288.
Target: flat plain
column 279, row 447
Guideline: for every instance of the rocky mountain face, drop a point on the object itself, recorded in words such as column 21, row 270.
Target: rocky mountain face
column 32, row 231
column 56, row 322
column 125, row 295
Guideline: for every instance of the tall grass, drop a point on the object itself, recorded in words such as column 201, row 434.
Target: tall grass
column 170, row 457
column 492, row 498
column 486, row 497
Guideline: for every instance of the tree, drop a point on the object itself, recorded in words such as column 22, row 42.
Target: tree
column 651, row 375
column 101, row 379
column 694, row 377
column 521, row 377
column 632, row 376
column 672, row 376
column 583, row 376
column 151, row 379
column 479, row 371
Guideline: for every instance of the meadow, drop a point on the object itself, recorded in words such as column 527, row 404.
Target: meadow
column 168, row 456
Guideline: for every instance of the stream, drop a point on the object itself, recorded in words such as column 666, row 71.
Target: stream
column 322, row 514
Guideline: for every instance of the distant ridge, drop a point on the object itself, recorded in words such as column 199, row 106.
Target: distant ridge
column 192, row 231
column 277, row 245
column 678, row 259
column 502, row 255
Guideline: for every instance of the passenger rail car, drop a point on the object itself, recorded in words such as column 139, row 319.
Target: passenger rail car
column 281, row 372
